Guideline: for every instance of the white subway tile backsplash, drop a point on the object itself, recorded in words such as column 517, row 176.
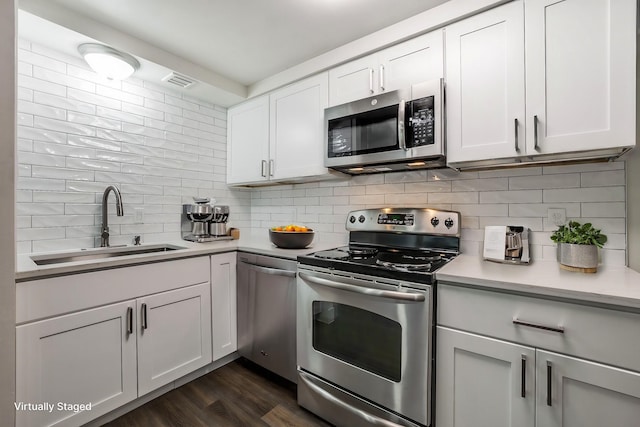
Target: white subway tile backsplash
column 604, row 210
column 566, row 180
column 62, row 79
column 63, row 150
column 41, row 85
column 92, row 98
column 26, row 55
column 62, row 174
column 96, row 121
column 598, row 194
column 63, row 103
column 65, row 127
column 522, row 196
column 26, row 132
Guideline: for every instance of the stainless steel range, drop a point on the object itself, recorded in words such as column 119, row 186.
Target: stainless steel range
column 366, row 318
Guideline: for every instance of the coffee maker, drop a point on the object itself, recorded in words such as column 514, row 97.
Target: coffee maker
column 202, row 222
column 507, row 244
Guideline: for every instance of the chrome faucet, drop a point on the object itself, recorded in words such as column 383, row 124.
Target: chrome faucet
column 104, row 234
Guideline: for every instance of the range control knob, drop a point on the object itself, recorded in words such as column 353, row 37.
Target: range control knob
column 361, row 219
column 435, row 221
column 448, row 223
column 352, row 219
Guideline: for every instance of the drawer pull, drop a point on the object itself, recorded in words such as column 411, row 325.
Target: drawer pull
column 558, row 329
column 523, row 379
column 549, row 377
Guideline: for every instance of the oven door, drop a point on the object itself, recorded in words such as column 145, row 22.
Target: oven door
column 370, row 339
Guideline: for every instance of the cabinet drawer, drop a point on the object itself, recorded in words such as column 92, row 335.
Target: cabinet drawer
column 593, row 333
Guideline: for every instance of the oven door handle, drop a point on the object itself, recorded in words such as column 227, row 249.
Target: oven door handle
column 369, row 418
column 402, row 296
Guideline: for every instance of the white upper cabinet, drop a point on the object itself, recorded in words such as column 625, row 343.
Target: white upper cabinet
column 279, row 137
column 581, row 73
column 297, row 129
column 248, row 141
column 540, row 77
column 485, row 85
column 398, row 67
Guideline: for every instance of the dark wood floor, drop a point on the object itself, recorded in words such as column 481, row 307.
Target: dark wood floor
column 238, row 394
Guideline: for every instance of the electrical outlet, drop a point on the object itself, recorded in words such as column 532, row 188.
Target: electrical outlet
column 139, row 215
column 557, row 216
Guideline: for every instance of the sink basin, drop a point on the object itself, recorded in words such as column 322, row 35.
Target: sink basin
column 101, row 253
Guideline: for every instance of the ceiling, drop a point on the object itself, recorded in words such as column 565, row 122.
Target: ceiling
column 229, row 42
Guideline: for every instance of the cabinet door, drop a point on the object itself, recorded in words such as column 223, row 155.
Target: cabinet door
column 485, row 85
column 481, row 381
column 297, row 129
column 223, row 304
column 174, row 335
column 580, row 57
column 353, row 80
column 81, row 358
column 248, row 141
column 577, row 393
column 415, row 61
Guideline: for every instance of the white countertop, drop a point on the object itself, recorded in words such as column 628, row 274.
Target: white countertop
column 258, row 243
column 611, row 285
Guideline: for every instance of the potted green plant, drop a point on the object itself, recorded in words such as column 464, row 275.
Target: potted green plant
column 578, row 246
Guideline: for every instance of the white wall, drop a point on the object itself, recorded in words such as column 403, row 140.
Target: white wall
column 7, row 213
column 79, row 133
column 589, row 192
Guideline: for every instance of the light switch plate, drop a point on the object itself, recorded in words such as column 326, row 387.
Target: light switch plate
column 557, row 216
column 139, row 215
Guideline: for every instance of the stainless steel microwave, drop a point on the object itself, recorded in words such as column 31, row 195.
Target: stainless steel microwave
column 398, row 130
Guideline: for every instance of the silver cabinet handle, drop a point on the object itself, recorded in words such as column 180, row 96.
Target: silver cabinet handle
column 549, row 378
column 381, row 77
column 558, row 329
column 535, row 133
column 129, row 320
column 271, row 167
column 402, row 143
column 269, row 270
column 371, row 80
column 402, row 296
column 516, row 132
column 263, row 171
column 369, row 418
column 144, row 316
column 523, row 378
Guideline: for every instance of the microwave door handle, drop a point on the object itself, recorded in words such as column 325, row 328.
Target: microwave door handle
column 402, row 143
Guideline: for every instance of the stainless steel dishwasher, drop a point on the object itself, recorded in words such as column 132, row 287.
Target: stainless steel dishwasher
column 267, row 312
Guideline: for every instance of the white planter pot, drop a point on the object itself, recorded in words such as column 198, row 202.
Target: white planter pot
column 578, row 256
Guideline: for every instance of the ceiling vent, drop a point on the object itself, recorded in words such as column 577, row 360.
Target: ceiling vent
column 179, row 80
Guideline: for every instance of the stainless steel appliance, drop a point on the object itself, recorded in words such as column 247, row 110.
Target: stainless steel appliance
column 202, row 222
column 365, row 317
column 267, row 312
column 507, row 244
column 398, row 130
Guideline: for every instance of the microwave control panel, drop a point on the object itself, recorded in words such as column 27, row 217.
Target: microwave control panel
column 421, row 122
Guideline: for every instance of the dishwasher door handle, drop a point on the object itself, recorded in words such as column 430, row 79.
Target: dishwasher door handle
column 402, row 296
column 269, row 270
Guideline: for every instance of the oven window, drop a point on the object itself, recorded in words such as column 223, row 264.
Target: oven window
column 358, row 337
column 364, row 133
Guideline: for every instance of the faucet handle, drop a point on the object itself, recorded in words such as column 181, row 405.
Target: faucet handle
column 136, row 240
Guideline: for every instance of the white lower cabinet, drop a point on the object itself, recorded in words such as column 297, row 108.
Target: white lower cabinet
column 223, row 304
column 480, row 381
column 81, row 358
column 520, row 361
column 574, row 392
column 174, row 335
column 69, row 354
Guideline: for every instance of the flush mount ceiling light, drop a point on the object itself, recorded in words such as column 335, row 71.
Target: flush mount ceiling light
column 108, row 62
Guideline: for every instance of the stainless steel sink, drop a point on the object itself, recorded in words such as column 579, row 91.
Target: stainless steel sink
column 111, row 252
